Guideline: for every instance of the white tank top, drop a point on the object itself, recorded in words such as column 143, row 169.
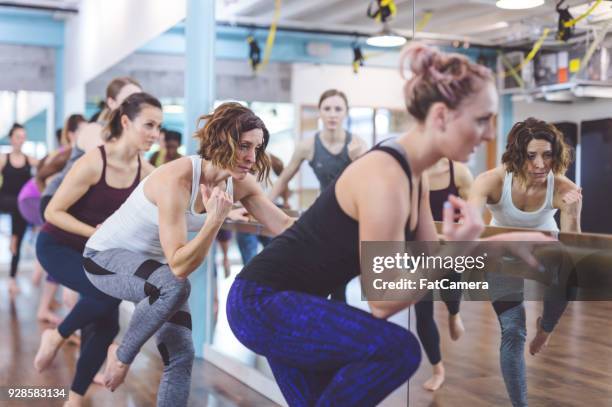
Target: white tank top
column 135, row 225
column 507, row 215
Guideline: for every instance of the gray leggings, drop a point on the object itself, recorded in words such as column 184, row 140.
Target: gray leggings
column 161, row 309
column 507, row 296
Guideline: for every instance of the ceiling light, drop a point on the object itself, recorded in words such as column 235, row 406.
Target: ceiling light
column 386, row 38
column 518, row 4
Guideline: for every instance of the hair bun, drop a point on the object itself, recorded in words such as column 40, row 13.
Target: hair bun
column 420, row 57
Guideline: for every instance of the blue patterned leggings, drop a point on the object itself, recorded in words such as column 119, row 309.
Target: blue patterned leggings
column 322, row 353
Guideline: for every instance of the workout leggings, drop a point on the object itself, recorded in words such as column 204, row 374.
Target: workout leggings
column 161, row 310
column 508, row 304
column 8, row 204
column 96, row 314
column 322, row 353
column 427, row 329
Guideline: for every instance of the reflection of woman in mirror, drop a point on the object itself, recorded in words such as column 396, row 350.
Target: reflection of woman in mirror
column 446, row 178
column 326, row 352
column 525, row 191
column 328, row 152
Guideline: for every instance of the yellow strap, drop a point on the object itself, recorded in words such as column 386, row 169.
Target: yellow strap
column 530, row 56
column 511, row 71
column 424, row 21
column 573, row 22
column 271, row 35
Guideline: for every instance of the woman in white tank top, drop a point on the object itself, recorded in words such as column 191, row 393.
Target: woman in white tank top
column 526, row 191
column 142, row 253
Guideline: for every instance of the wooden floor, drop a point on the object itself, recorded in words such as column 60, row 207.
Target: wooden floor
column 19, row 339
column 575, row 370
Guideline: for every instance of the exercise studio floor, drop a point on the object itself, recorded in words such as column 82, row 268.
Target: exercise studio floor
column 575, row 369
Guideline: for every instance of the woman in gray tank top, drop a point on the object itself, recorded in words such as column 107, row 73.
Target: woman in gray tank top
column 525, row 191
column 329, row 152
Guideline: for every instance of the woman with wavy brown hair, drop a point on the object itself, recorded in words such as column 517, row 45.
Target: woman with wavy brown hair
column 526, row 191
column 142, row 253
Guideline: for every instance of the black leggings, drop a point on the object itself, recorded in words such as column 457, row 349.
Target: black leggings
column 427, row 329
column 8, row 204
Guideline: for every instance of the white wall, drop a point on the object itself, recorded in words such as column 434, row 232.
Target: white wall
column 371, row 87
column 556, row 112
column 106, row 31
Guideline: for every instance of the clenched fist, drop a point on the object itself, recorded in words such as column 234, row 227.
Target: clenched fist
column 572, row 201
column 218, row 203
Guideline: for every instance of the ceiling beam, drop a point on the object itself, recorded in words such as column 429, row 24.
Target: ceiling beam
column 227, row 10
column 294, row 9
column 350, row 29
column 345, row 14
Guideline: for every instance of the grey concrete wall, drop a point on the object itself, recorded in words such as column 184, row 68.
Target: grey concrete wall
column 163, row 76
column 27, row 68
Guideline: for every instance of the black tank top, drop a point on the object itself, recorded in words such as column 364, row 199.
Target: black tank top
column 13, row 178
column 327, row 166
column 321, row 250
column 438, row 197
column 98, row 203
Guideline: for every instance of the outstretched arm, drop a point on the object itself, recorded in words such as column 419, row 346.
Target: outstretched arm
column 252, row 197
column 282, row 183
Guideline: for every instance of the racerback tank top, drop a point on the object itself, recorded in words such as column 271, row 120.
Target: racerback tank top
column 320, row 252
column 99, row 202
column 506, row 214
column 328, row 166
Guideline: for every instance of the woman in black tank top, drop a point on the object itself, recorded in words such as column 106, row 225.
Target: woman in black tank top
column 458, row 179
column 92, row 190
column 16, row 169
column 325, row 352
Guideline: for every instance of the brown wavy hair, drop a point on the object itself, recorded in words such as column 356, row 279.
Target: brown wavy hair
column 221, row 132
column 522, row 133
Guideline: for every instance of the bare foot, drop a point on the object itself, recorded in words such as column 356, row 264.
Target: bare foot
column 50, row 342
column 47, row 316
column 437, row 377
column 74, row 400
column 99, row 379
column 540, row 340
column 115, row 371
column 434, row 382
column 455, row 326
column 13, row 288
